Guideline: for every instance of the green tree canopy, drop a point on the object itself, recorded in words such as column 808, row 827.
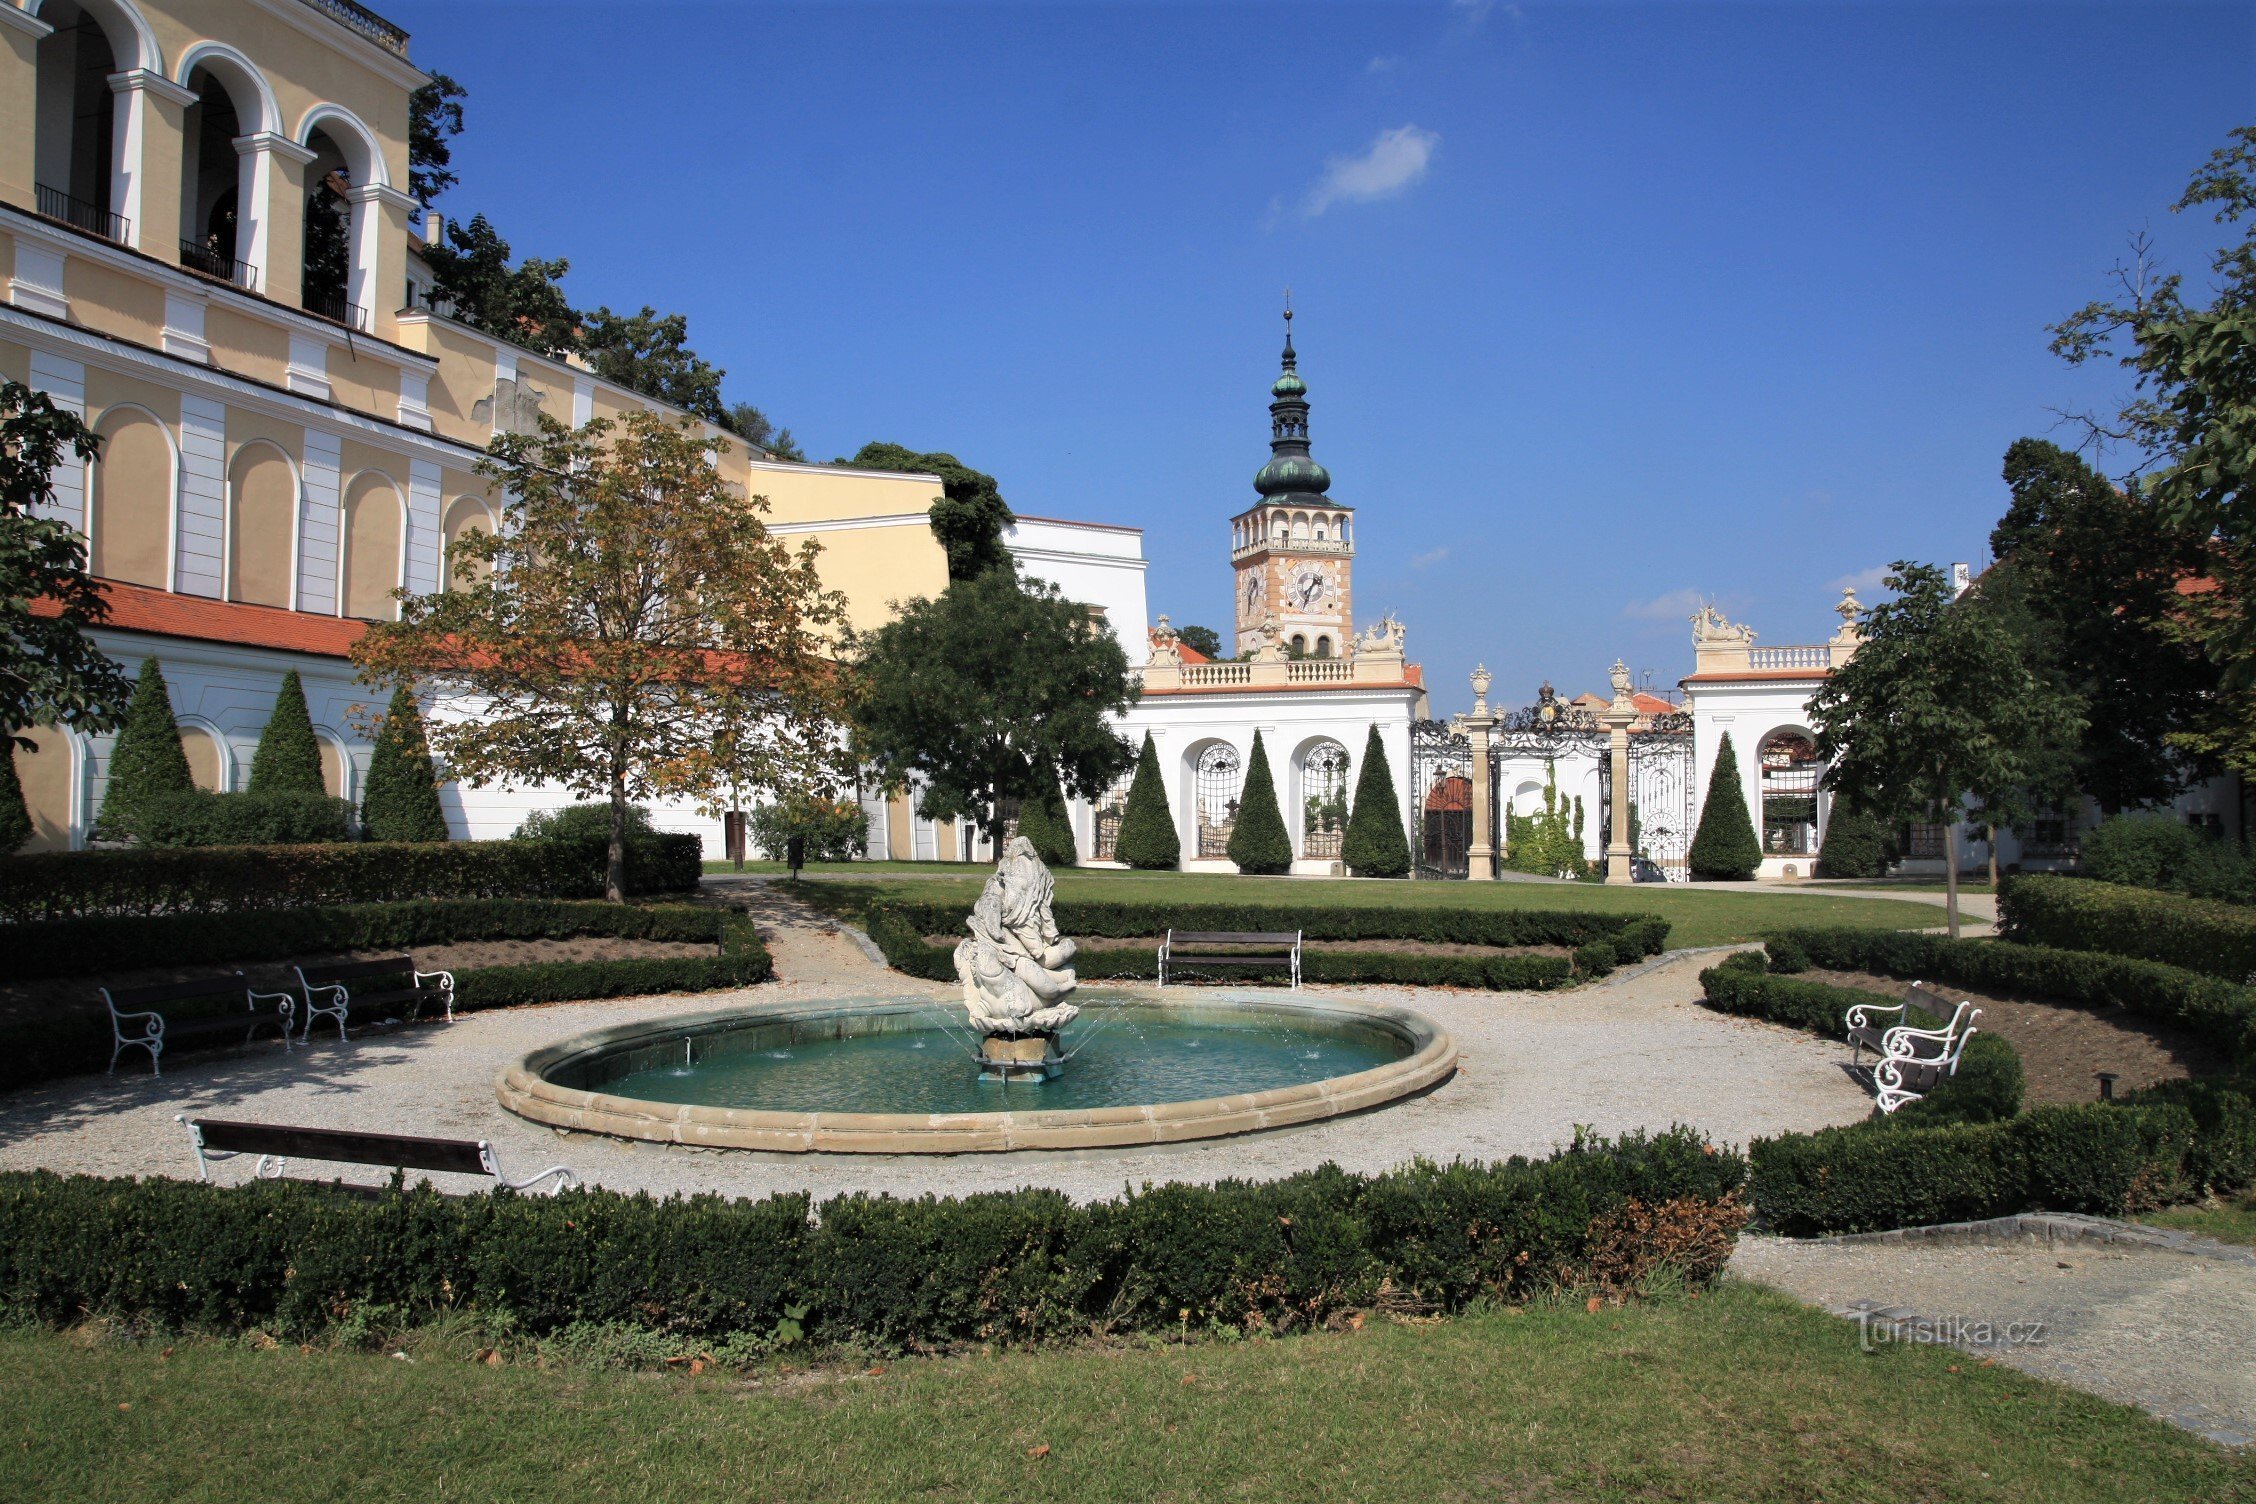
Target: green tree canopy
column 1044, row 820
column 1724, row 848
column 50, row 671
column 523, row 304
column 995, row 689
column 752, row 426
column 1375, row 845
column 1148, row 839
column 968, row 517
column 1259, row 842
column 434, row 119
column 650, row 352
column 401, row 801
column 1939, row 704
column 147, row 760
column 1204, row 641
column 15, row 815
column 1856, row 845
column 288, row 759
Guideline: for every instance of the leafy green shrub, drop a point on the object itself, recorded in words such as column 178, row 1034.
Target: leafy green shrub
column 1724, row 848
column 2077, row 914
column 1866, row 1179
column 2223, row 1157
column 288, row 759
column 1374, row 845
column 2107, row 1161
column 1856, row 845
column 2138, row 851
column 835, row 829
column 401, row 801
column 15, row 815
column 200, row 817
column 586, row 828
column 147, row 758
column 1546, row 842
column 1787, row 957
column 297, row 1260
column 1258, row 843
column 1147, row 838
column 68, row 1042
column 1595, row 959
column 46, row 886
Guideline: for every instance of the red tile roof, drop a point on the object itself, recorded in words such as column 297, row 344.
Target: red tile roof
column 139, row 608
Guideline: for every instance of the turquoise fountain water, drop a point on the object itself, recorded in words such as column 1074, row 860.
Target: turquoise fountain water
column 1118, row 1053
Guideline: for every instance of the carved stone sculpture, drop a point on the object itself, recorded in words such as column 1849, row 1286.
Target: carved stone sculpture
column 1711, row 626
column 1016, row 969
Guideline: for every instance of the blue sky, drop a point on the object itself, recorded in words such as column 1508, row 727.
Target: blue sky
column 1602, row 307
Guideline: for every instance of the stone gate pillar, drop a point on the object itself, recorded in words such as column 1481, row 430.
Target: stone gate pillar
column 1617, row 718
column 1480, row 860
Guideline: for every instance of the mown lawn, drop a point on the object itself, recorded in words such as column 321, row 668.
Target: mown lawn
column 2228, row 1221
column 1741, row 1395
column 1696, row 916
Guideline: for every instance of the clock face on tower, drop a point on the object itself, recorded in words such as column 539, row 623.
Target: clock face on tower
column 1310, row 584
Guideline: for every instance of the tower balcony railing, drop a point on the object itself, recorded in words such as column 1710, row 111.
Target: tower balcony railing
column 1296, row 545
column 203, row 260
column 80, row 215
column 1370, row 666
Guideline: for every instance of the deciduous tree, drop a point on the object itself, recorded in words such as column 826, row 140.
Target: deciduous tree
column 1937, row 705
column 650, row 352
column 15, row 815
column 969, row 515
column 638, row 632
column 523, row 304
column 1204, row 641
column 995, row 689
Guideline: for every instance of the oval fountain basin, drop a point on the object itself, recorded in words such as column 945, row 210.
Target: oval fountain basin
column 896, row 1076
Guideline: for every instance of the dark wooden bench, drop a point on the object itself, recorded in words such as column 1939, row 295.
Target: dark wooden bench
column 335, row 988
column 139, row 1015
column 277, row 1143
column 1262, row 948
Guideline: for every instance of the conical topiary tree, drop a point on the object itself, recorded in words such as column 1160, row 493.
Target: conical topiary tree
column 147, row 758
column 288, row 759
column 1725, row 848
column 1147, row 830
column 15, row 815
column 1856, row 845
column 1044, row 821
column 1258, row 842
column 1375, row 845
column 402, row 800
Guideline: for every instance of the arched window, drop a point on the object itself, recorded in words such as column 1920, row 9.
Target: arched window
column 467, row 515
column 1319, row 530
column 336, row 768
column 1323, row 798
column 207, row 757
column 1791, row 770
column 48, row 773
column 374, row 516
column 1299, row 647
column 1323, row 647
column 1220, row 775
column 262, row 525
column 1300, row 525
column 129, row 505
column 75, row 163
column 341, row 221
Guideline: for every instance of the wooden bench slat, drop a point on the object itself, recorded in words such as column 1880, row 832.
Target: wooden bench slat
column 407, row 1151
column 346, row 971
column 1235, row 937
column 130, row 999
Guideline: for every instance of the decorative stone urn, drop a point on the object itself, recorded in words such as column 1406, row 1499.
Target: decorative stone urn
column 1016, row 969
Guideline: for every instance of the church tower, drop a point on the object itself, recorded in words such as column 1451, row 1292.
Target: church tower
column 1294, row 549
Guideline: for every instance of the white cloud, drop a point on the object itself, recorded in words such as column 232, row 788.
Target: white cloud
column 1393, row 161
column 1385, row 63
column 1677, row 605
column 1430, row 558
column 1864, row 582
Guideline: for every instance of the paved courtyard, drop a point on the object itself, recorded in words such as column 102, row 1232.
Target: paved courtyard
column 1633, row 1051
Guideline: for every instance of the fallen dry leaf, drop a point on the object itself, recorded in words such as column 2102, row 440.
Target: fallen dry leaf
column 494, row 1359
column 700, row 1363
column 1356, row 1321
column 1189, row 1379
column 877, row 1370
column 166, row 1353
column 1592, row 1307
column 1041, row 1451
column 128, row 1405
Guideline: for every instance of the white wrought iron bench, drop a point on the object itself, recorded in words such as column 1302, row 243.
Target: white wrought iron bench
column 335, row 988
column 277, row 1143
column 1912, row 1061
column 1266, row 948
column 136, row 1022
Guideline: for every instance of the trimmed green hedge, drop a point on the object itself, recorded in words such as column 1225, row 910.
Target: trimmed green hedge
column 57, row 885
column 1601, row 941
column 77, row 1040
column 2221, row 1013
column 1987, row 1086
column 2074, row 913
column 296, row 1260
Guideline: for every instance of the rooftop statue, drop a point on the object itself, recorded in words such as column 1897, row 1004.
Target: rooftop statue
column 1016, row 970
column 1711, row 625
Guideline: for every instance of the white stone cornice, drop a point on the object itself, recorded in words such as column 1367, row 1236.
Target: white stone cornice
column 155, row 83
column 851, row 524
column 281, row 145
column 24, row 21
column 379, row 193
column 394, row 68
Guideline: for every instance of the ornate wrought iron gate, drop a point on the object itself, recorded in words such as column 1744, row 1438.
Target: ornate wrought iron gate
column 1441, row 787
column 1662, row 796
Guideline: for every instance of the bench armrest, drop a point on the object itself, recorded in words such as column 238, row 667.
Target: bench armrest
column 148, row 1013
column 1860, row 1016
column 445, row 979
column 1906, row 1043
column 562, row 1174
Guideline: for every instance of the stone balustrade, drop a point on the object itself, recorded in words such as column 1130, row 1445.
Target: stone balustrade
column 1165, row 672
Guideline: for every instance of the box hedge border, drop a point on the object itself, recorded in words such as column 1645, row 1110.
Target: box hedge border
column 1601, row 941
column 78, row 1041
column 51, row 886
column 2169, row 1143
column 298, row 1260
column 2080, row 914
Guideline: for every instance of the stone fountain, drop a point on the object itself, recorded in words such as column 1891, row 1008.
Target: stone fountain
column 1016, row 970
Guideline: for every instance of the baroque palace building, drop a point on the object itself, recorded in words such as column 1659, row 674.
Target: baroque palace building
column 207, row 252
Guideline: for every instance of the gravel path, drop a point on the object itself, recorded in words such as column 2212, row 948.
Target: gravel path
column 2162, row 1322
column 1634, row 1051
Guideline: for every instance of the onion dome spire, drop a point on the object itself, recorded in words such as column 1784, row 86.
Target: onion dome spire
column 1290, row 475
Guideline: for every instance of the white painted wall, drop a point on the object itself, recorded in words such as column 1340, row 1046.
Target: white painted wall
column 1095, row 564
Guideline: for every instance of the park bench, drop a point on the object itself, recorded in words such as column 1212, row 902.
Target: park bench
column 1911, row 1061
column 155, row 1021
column 276, row 1143
column 334, row 988
column 1263, row 948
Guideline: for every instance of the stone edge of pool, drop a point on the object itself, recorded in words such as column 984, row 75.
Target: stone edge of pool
column 524, row 1089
